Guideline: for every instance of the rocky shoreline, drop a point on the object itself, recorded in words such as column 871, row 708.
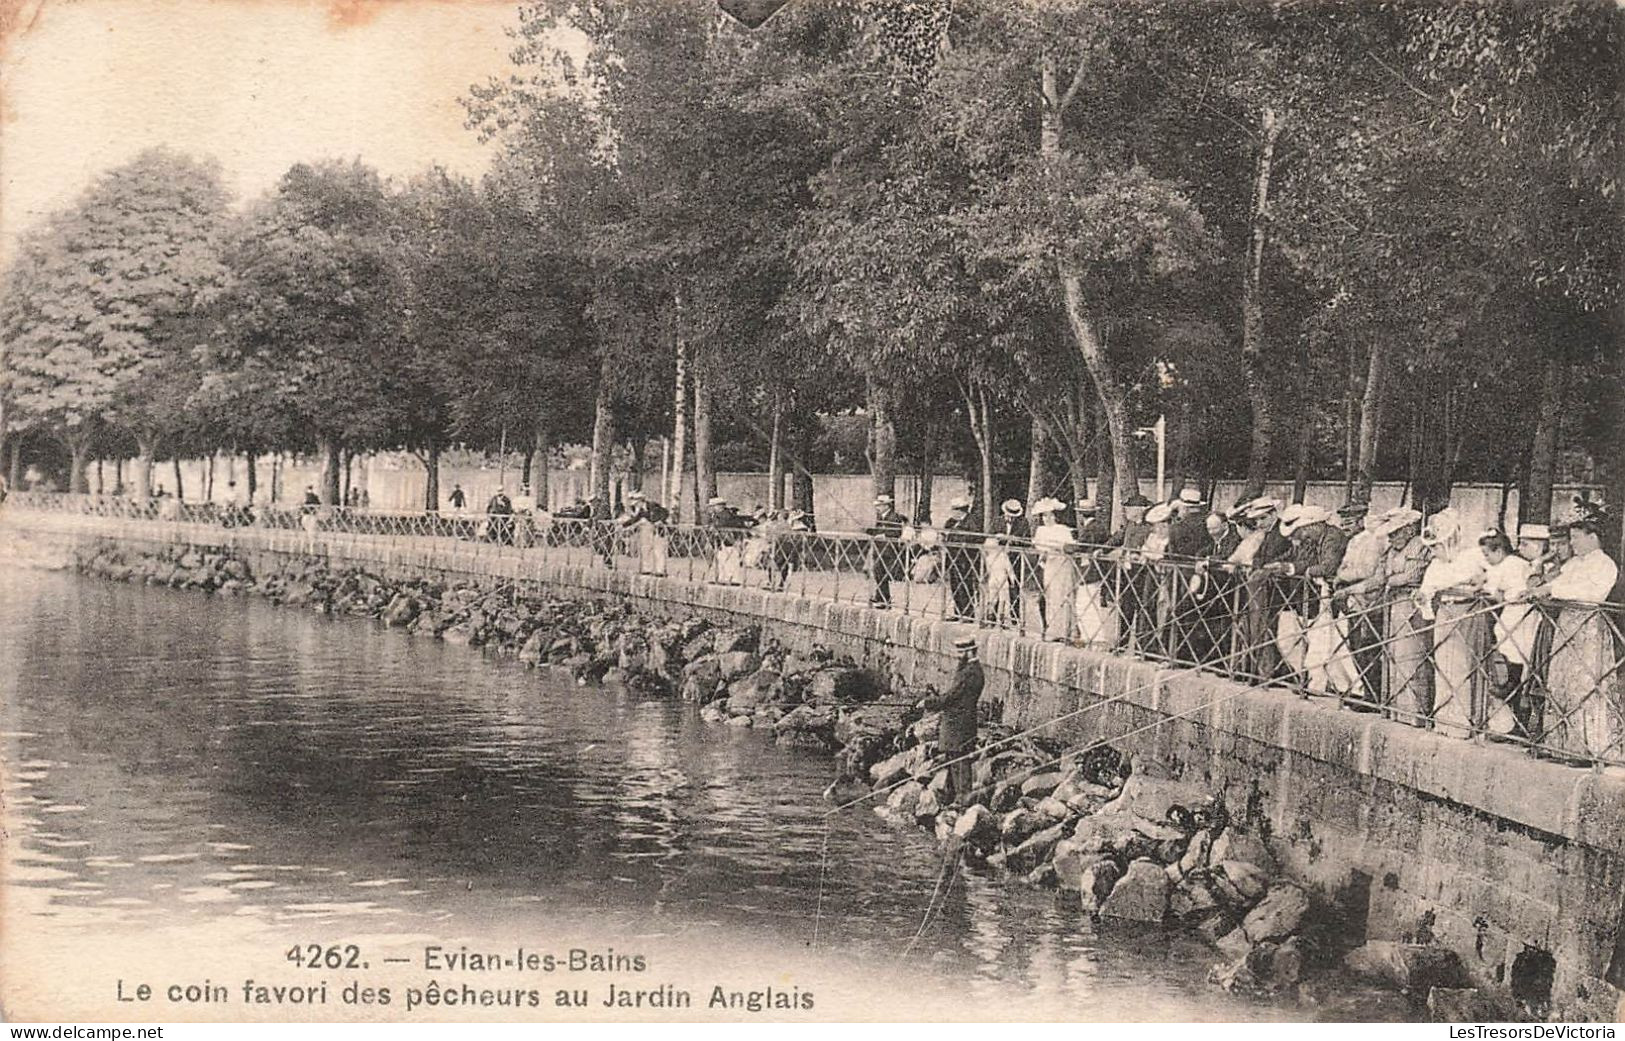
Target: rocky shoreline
column 1110, row 836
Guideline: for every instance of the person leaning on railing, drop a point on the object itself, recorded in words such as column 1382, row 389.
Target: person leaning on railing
column 646, row 519
column 1517, row 625
column 1408, row 688
column 727, row 531
column 1582, row 714
column 1357, row 600
column 785, row 532
column 1052, row 543
column 959, row 559
column 1316, row 551
column 1264, row 544
column 1095, row 620
column 601, row 527
column 885, row 550
column 1129, row 587
column 1002, row 567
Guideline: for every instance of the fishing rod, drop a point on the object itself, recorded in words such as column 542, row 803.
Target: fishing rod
column 1256, row 683
column 1084, row 749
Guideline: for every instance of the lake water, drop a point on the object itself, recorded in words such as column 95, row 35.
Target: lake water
column 195, row 786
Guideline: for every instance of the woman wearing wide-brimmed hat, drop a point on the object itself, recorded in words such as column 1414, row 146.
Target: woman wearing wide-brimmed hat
column 1051, row 541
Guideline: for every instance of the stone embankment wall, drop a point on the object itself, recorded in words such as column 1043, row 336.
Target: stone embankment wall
column 1516, row 864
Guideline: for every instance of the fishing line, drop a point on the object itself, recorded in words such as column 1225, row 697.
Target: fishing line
column 1099, row 742
column 823, row 873
column 1255, row 683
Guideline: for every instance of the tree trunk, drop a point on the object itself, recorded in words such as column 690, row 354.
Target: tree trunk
column 146, row 450
column 603, row 438
column 14, row 468
column 1351, row 394
column 976, row 413
column 928, row 458
column 1434, row 447
column 1038, row 464
column 431, row 476
column 705, row 479
column 1105, row 471
column 1253, row 346
column 1371, row 407
column 679, row 426
column 1535, row 501
column 349, row 458
column 79, row 451
column 542, row 448
column 253, row 474
column 637, row 446
column 1179, row 446
column 775, row 456
column 1113, row 397
column 801, row 482
column 180, row 490
column 882, row 438
column 330, row 450
column 1306, row 439
column 208, row 479
column 1084, row 452
column 118, row 476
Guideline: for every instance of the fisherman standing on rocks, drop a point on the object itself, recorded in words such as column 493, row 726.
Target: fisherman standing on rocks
column 956, row 732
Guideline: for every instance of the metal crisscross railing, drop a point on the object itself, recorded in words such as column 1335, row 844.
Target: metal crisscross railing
column 1542, row 673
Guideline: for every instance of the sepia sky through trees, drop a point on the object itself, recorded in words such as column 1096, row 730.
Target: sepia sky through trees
column 258, row 84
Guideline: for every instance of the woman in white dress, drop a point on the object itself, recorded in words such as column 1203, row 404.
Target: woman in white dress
column 1052, row 540
column 1456, row 630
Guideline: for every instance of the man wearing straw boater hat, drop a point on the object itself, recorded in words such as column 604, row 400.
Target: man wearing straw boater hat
column 959, row 557
column 956, row 730
column 1010, row 529
column 885, row 551
column 1189, row 536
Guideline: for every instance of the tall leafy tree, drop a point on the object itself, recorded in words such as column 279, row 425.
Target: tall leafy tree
column 98, row 309
column 311, row 313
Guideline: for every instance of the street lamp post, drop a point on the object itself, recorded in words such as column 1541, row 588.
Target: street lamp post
column 1159, row 430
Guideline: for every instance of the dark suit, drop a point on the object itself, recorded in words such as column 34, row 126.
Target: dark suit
column 1265, row 596
column 885, row 554
column 959, row 565
column 1134, row 587
column 956, row 732
column 1188, row 536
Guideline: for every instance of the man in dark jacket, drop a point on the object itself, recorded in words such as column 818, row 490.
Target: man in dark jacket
column 959, row 559
column 1222, row 533
column 499, row 518
column 603, row 530
column 956, row 731
column 1093, row 529
column 1188, row 537
column 885, row 550
column 1133, row 584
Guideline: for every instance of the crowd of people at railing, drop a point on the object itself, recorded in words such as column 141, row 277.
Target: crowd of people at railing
column 1387, row 610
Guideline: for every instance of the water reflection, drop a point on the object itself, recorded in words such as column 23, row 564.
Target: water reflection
column 214, row 765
